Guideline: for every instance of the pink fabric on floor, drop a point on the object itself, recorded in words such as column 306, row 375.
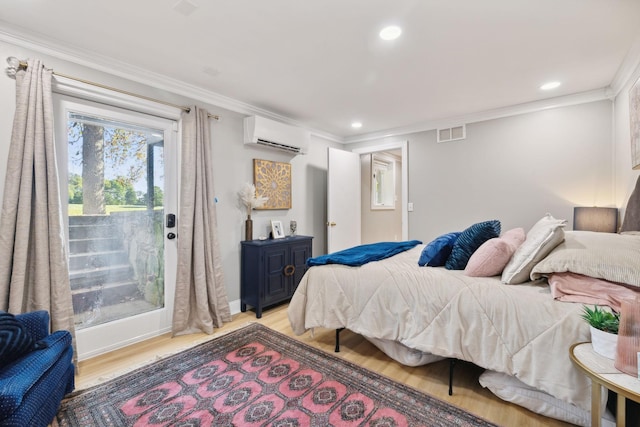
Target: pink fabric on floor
column 572, row 287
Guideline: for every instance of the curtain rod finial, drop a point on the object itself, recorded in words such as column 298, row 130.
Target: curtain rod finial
column 14, row 66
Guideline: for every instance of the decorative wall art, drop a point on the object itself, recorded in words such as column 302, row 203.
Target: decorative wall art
column 634, row 116
column 273, row 180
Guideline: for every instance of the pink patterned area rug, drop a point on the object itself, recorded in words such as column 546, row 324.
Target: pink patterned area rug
column 256, row 376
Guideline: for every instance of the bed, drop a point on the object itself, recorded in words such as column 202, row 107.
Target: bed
column 509, row 323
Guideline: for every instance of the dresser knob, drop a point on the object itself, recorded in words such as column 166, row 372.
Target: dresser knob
column 289, row 270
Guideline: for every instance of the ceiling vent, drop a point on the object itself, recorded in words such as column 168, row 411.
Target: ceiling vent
column 452, row 134
column 269, row 133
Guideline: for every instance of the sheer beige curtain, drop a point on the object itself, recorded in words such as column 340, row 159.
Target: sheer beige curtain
column 201, row 302
column 33, row 257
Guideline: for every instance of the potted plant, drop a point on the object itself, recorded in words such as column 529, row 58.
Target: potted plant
column 604, row 330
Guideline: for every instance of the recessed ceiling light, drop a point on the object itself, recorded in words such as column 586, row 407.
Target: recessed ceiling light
column 390, row 33
column 356, row 125
column 550, row 85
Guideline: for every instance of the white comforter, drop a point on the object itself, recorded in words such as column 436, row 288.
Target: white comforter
column 516, row 329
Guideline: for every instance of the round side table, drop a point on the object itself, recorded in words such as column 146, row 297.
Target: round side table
column 603, row 373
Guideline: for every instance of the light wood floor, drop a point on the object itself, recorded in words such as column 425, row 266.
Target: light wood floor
column 432, row 379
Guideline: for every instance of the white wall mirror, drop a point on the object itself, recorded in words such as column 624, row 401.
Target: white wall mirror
column 383, row 181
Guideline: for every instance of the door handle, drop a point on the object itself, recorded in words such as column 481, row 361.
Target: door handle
column 331, row 224
column 171, row 220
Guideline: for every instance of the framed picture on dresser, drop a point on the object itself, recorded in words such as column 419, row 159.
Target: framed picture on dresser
column 276, row 229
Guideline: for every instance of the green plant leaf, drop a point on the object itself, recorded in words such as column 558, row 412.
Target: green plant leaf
column 601, row 319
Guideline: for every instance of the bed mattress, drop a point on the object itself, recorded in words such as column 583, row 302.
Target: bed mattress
column 515, row 329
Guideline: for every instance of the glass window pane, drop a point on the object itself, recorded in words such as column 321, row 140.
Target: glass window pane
column 116, row 236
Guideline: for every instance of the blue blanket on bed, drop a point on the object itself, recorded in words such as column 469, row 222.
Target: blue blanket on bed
column 363, row 254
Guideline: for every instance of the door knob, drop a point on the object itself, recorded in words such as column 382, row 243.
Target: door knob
column 171, row 236
column 332, row 224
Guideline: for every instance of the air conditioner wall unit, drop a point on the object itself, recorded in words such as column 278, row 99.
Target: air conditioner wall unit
column 269, row 133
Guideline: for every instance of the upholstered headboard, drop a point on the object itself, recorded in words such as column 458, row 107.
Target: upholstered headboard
column 631, row 220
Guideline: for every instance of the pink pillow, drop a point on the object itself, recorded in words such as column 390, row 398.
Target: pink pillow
column 494, row 254
column 515, row 236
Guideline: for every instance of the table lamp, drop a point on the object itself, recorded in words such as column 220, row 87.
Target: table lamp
column 595, row 219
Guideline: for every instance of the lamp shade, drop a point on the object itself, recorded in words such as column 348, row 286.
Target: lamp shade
column 595, row 219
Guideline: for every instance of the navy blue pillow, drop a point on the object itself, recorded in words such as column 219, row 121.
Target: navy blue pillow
column 15, row 339
column 435, row 254
column 470, row 240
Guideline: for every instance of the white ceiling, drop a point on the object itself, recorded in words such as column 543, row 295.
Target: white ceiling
column 321, row 64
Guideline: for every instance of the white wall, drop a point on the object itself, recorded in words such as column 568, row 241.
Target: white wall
column 233, row 165
column 514, row 169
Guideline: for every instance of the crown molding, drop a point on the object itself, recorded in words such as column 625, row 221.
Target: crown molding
column 529, row 107
column 119, row 68
column 89, row 59
column 629, row 70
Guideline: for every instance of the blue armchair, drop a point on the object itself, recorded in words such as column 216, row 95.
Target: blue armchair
column 32, row 386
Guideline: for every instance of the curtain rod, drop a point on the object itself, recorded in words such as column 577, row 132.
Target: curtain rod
column 23, row 66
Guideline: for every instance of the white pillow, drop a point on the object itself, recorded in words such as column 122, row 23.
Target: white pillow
column 607, row 256
column 545, row 235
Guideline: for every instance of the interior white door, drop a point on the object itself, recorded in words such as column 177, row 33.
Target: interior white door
column 343, row 200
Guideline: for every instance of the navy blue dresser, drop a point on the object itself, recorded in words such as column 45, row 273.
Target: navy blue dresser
column 271, row 270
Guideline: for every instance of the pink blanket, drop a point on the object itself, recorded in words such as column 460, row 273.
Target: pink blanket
column 571, row 287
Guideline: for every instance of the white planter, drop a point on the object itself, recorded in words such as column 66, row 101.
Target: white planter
column 604, row 343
